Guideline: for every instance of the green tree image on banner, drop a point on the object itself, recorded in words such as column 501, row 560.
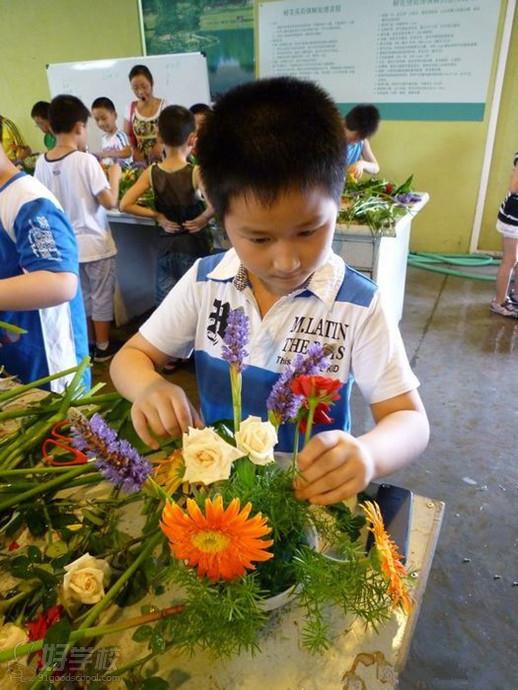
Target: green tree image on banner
column 224, row 31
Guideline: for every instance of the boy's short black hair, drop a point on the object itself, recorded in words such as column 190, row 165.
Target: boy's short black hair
column 41, row 109
column 65, row 112
column 270, row 136
column 175, row 123
column 104, row 102
column 364, row 119
column 200, row 108
column 142, row 71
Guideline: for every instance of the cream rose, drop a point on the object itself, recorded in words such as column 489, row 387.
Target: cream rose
column 257, row 439
column 84, row 580
column 11, row 636
column 207, row 457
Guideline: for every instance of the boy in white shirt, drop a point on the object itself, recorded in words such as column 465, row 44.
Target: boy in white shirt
column 79, row 183
column 114, row 142
column 282, row 273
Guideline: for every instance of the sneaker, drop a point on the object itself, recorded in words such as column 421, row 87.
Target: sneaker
column 512, row 298
column 504, row 309
column 105, row 355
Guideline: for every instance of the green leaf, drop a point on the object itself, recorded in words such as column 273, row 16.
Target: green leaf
column 36, row 521
column 59, row 632
column 21, row 567
column 45, row 573
column 34, row 554
column 56, row 549
column 155, row 683
column 93, row 519
column 157, row 642
column 142, row 633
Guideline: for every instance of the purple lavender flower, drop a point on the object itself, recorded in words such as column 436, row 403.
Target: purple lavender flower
column 282, row 403
column 235, row 339
column 117, row 459
column 408, row 198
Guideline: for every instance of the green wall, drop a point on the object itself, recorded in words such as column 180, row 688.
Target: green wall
column 445, row 157
column 506, row 145
column 34, row 33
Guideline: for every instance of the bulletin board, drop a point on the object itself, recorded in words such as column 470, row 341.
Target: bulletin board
column 415, row 59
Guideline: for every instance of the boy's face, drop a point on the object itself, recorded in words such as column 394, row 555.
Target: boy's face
column 351, row 136
column 105, row 119
column 283, row 244
column 198, row 119
column 42, row 123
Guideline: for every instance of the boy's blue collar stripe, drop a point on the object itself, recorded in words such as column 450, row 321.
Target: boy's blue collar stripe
column 13, row 179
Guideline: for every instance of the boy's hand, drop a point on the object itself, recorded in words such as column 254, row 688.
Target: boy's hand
column 196, row 224
column 356, row 170
column 333, row 466
column 114, row 173
column 167, row 225
column 162, row 409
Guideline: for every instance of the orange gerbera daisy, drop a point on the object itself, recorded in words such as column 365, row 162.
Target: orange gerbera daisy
column 169, row 473
column 390, row 558
column 222, row 543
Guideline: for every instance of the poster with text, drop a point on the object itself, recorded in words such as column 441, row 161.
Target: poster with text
column 415, row 59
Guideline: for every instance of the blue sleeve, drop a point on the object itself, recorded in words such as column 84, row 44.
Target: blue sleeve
column 44, row 238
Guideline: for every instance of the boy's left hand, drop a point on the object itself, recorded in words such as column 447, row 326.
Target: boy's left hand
column 195, row 225
column 333, row 466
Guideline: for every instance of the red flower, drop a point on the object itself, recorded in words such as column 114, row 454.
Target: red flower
column 389, row 188
column 37, row 629
column 320, row 388
column 320, row 417
column 13, row 546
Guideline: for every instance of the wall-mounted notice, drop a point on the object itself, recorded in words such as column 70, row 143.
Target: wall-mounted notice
column 416, row 59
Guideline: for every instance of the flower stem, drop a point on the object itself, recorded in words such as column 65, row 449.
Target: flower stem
column 312, row 406
column 296, row 442
column 95, row 631
column 12, row 393
column 235, row 386
column 46, row 486
column 95, row 612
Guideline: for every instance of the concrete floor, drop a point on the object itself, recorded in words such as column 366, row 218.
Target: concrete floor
column 467, row 361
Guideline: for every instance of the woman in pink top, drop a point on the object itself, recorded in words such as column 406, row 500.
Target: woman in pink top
column 141, row 122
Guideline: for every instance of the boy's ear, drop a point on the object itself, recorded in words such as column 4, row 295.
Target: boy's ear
column 191, row 139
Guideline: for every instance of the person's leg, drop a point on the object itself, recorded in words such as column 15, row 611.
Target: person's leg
column 164, row 281
column 509, row 261
column 102, row 278
column 84, row 281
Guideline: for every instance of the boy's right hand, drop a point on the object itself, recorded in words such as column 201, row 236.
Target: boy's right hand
column 167, row 225
column 162, row 409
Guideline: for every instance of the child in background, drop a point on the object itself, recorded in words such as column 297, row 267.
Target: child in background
column 180, row 211
column 360, row 124
column 199, row 110
column 115, row 143
column 272, row 154
column 79, row 183
column 507, row 225
column 39, row 287
column 40, row 115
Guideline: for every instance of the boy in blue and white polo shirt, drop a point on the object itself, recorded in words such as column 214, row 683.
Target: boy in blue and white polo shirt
column 38, row 282
column 273, row 155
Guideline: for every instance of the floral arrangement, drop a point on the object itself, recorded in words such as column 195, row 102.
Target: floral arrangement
column 376, row 202
column 221, row 536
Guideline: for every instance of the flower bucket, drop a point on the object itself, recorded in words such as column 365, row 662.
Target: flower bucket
column 287, row 595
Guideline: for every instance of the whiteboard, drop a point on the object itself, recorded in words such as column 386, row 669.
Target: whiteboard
column 182, row 79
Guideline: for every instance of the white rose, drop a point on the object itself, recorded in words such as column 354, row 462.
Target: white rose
column 84, row 580
column 11, row 636
column 207, row 457
column 257, row 439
